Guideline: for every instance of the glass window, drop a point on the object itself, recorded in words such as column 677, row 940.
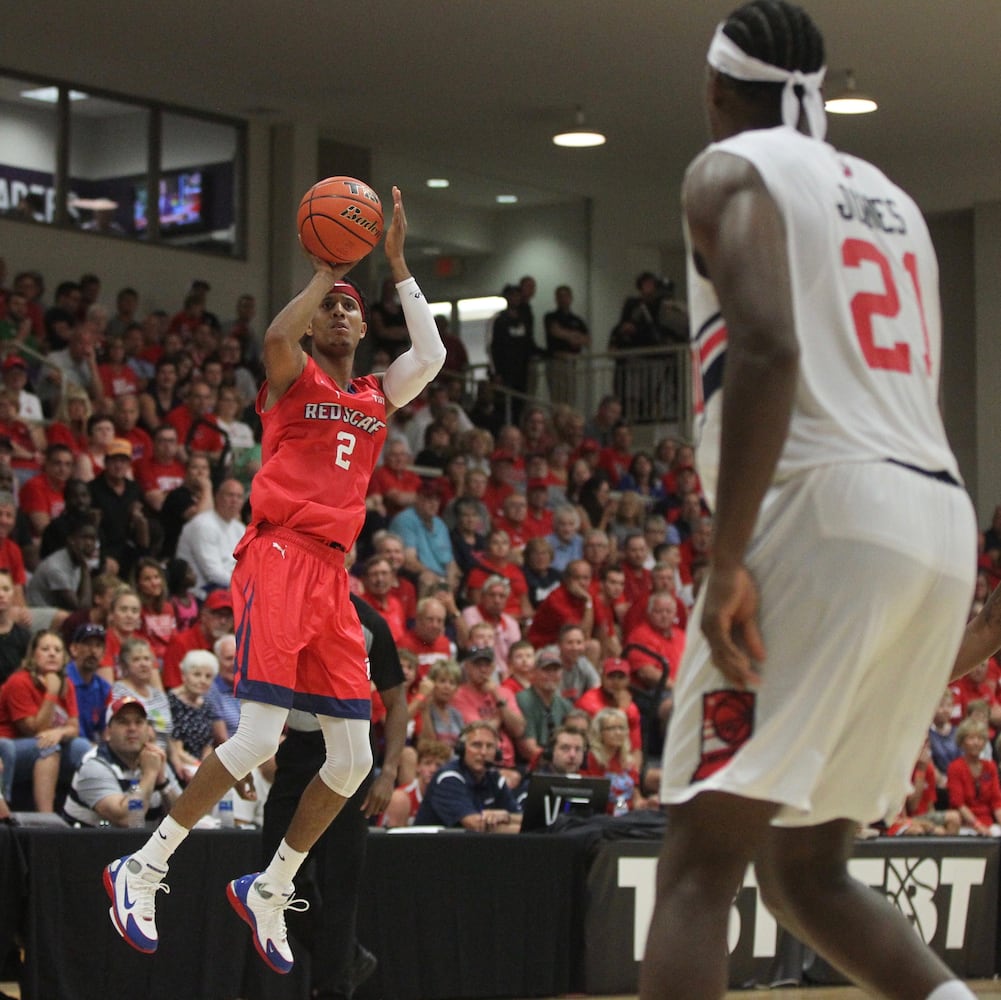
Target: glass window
column 29, row 132
column 107, row 172
column 198, row 182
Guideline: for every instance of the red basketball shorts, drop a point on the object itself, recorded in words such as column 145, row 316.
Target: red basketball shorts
column 299, row 643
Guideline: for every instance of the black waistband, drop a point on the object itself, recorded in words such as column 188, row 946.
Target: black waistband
column 941, row 475
column 337, row 545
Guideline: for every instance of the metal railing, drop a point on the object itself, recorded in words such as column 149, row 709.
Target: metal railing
column 652, row 383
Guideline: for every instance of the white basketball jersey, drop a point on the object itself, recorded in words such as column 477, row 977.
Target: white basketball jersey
column 865, row 301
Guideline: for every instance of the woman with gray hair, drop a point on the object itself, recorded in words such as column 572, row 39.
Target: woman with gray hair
column 191, row 732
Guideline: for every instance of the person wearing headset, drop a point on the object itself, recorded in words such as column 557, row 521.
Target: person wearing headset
column 468, row 792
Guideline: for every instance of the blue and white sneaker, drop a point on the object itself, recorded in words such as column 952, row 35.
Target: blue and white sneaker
column 263, row 908
column 132, row 887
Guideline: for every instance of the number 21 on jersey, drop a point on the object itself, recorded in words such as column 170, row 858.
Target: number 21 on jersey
column 885, row 302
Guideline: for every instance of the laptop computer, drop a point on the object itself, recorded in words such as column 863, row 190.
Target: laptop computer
column 551, row 796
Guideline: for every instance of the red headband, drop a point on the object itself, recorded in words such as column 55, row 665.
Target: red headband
column 343, row 288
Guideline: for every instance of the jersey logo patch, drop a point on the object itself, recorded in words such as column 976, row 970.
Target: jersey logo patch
column 280, row 548
column 727, row 724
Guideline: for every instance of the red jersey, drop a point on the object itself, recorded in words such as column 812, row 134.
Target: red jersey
column 319, row 448
column 39, row 496
column 670, row 647
column 57, row 433
column 206, row 436
column 142, row 443
column 118, row 380
column 153, row 475
column 12, row 559
column 383, row 480
column 537, row 524
column 21, row 698
column 391, row 609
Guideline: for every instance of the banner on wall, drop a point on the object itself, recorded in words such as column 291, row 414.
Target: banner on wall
column 947, row 889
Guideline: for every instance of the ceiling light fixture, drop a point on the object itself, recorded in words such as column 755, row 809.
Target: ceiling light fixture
column 507, row 199
column 579, row 137
column 50, row 95
column 850, row 101
column 437, row 182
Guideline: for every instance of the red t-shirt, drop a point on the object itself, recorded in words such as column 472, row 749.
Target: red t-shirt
column 383, row 480
column 118, row 380
column 153, row 475
column 39, row 496
column 596, row 699
column 392, row 610
column 12, row 559
column 557, row 610
column 519, row 588
column 21, row 698
column 670, row 647
column 181, row 643
column 205, row 438
column 63, row 434
column 142, row 444
column 427, row 653
column 980, row 795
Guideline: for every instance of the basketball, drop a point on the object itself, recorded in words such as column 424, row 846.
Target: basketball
column 339, row 220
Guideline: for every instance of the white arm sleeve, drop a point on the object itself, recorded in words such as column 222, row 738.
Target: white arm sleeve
column 412, row 370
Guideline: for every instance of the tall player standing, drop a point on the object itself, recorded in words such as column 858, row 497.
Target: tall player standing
column 843, row 561
column 299, row 642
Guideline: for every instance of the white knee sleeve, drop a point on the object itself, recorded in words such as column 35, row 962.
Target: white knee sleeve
column 349, row 754
column 255, row 739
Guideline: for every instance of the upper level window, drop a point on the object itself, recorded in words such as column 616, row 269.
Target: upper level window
column 120, row 167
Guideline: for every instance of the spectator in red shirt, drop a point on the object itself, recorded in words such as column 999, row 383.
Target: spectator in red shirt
column 497, row 560
column 569, row 603
column 503, row 474
column 117, row 377
column 696, row 549
column 196, row 427
column 977, row 685
column 639, row 580
column 611, row 596
column 393, row 481
column 662, row 580
column 125, row 413
column 26, row 458
column 427, row 638
column 616, row 459
column 656, row 634
column 160, row 471
column 378, row 593
column 391, row 548
column 43, row 496
column 69, row 424
column 514, row 511
column 614, row 693
column 538, row 520
column 214, row 621
column 973, row 783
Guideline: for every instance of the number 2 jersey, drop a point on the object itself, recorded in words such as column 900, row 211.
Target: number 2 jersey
column 864, row 280
column 319, row 448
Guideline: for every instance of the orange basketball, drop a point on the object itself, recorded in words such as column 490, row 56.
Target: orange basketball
column 339, row 220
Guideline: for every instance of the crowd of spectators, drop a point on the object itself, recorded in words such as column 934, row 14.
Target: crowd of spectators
column 535, row 576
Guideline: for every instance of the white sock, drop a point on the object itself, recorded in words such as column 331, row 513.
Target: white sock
column 286, row 863
column 952, row 990
column 166, row 839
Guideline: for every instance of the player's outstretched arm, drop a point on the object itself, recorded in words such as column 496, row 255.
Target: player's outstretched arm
column 982, row 637
column 284, row 359
column 414, row 369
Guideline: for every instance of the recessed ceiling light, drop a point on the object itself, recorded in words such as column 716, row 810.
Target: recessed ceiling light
column 50, row 95
column 507, row 199
column 437, row 182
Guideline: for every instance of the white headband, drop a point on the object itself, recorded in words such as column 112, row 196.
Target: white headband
column 729, row 58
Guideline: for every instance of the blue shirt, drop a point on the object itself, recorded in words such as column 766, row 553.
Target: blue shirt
column 223, row 704
column 454, row 793
column 565, row 553
column 91, row 701
column 433, row 545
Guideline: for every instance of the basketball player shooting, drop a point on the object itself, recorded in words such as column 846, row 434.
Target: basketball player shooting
column 843, row 562
column 299, row 641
